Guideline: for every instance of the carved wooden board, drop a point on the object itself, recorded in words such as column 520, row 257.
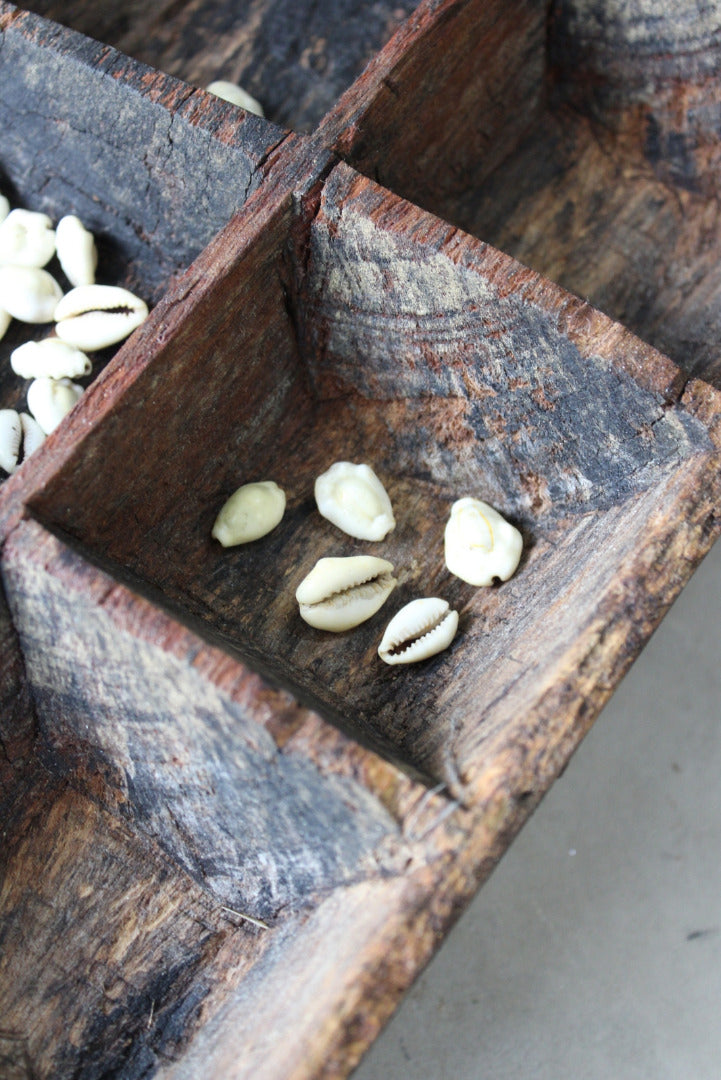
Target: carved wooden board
column 212, row 812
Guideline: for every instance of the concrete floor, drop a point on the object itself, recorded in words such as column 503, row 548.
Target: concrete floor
column 594, row 951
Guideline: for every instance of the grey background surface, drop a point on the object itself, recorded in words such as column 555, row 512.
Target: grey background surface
column 594, row 951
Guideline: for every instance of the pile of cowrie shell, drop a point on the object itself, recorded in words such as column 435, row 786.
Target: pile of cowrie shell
column 340, row 593
column 87, row 318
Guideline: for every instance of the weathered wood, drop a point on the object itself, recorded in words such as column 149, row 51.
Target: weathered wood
column 453, row 371
column 160, row 759
column 115, row 963
column 448, row 97
column 109, row 952
column 113, row 126
column 152, row 167
column 190, row 765
column 578, row 136
column 295, row 56
column 17, row 722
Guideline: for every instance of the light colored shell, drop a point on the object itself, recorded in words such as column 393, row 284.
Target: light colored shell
column 28, row 293
column 76, row 250
column 236, row 95
column 480, row 544
column 10, row 436
column 49, row 400
column 4, row 208
column 250, row 512
column 5, row 320
column 27, row 238
column 421, row 629
column 353, row 498
column 33, row 435
column 95, row 316
column 340, row 593
column 50, row 358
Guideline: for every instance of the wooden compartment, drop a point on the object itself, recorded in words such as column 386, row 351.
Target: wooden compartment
column 578, row 136
column 152, row 168
column 295, row 56
column 231, row 842
column 452, row 371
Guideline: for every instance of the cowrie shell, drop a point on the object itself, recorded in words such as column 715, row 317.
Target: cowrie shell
column 340, row 593
column 33, row 434
column 27, row 238
column 50, row 358
column 236, row 95
column 420, row 629
column 10, row 436
column 95, row 316
column 480, row 544
column 5, row 320
column 250, row 512
column 28, row 293
column 76, row 249
column 49, row 400
column 4, row 208
column 353, row 498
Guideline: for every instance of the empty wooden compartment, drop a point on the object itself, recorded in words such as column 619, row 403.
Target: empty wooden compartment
column 361, row 330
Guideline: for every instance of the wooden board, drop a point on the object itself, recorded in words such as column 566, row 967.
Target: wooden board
column 213, row 813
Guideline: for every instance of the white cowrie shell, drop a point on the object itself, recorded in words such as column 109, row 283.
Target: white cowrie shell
column 94, row 316
column 480, row 544
column 250, row 512
column 353, row 498
column 340, row 593
column 33, row 435
column 419, row 630
column 76, row 250
column 236, row 95
column 28, row 293
column 10, row 436
column 5, row 320
column 50, row 358
column 27, row 238
column 49, row 400
column 4, row 208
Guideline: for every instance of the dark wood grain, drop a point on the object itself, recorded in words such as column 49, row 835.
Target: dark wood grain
column 107, row 950
column 453, row 371
column 178, row 750
column 151, row 167
column 191, row 766
column 579, row 137
column 446, row 99
column 294, row 56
